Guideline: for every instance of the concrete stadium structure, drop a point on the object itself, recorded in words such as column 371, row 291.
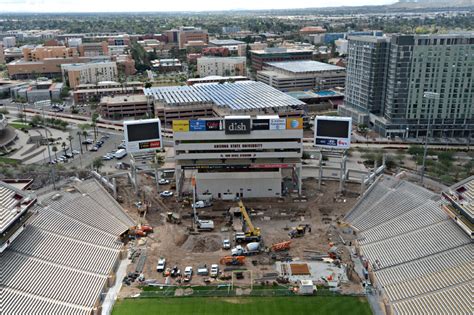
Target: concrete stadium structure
column 419, row 258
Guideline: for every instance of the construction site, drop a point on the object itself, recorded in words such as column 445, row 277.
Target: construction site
column 269, row 240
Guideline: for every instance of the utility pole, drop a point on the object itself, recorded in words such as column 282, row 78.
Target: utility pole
column 429, row 96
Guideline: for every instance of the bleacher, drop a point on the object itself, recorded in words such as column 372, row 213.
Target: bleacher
column 61, row 263
column 419, row 256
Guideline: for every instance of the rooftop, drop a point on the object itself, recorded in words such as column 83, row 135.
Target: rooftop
column 279, row 50
column 120, row 99
column 14, row 202
column 241, row 95
column 224, row 42
column 304, row 66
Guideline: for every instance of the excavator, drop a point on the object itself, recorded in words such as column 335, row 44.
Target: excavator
column 232, row 260
column 249, row 233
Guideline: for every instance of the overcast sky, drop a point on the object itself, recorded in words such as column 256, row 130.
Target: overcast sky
column 168, row 5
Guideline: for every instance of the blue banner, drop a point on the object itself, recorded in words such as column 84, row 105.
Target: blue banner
column 197, row 125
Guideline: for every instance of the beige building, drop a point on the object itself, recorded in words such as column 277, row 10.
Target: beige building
column 39, row 53
column 118, row 107
column 221, row 66
column 93, row 49
column 86, row 93
column 191, row 34
column 89, row 73
column 2, row 54
column 242, row 48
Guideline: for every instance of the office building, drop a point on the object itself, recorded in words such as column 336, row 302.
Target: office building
column 187, row 34
column 39, row 90
column 260, row 57
column 239, row 156
column 302, row 75
column 89, row 73
column 9, row 41
column 166, row 65
column 342, row 46
column 94, row 49
column 221, row 66
column 242, row 48
column 39, row 53
column 387, row 80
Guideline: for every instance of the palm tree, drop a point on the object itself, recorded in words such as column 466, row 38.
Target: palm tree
column 55, row 149
column 97, row 163
column 84, row 133
column 64, row 145
column 79, row 133
column 70, row 144
column 95, row 116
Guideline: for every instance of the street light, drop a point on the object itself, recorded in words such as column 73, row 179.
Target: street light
column 429, row 96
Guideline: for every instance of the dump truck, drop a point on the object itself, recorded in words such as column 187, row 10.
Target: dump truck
column 173, row 217
column 247, row 250
column 232, row 260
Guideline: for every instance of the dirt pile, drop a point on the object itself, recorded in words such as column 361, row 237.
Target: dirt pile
column 202, row 243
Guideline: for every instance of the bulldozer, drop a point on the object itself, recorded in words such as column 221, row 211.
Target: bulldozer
column 173, row 217
column 232, row 260
column 299, row 231
column 281, row 246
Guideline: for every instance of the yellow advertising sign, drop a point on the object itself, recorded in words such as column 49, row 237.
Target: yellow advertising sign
column 180, row 125
column 294, row 123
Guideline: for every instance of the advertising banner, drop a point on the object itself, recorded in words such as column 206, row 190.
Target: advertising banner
column 278, row 124
column 213, row 125
column 197, row 125
column 237, row 126
column 260, row 124
column 149, row 145
column 181, row 125
column 294, row 123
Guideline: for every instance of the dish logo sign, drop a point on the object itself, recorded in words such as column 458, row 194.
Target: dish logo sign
column 237, row 126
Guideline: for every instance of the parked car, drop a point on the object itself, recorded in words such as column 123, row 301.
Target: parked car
column 161, row 265
column 202, row 271
column 188, row 272
column 94, row 148
column 75, row 152
column 88, row 141
column 202, row 204
column 226, row 244
column 166, row 193
column 175, row 272
column 163, row 181
column 107, row 157
column 214, row 270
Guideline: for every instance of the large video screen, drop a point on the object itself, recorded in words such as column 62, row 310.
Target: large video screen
column 332, row 128
column 142, row 132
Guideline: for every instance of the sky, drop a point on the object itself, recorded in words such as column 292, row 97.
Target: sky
column 169, row 5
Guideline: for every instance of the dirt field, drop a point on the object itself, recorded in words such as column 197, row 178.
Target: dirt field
column 275, row 217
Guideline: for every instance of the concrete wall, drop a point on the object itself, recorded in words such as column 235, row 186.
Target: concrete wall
column 229, row 185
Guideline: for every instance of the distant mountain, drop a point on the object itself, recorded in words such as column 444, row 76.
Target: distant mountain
column 433, row 3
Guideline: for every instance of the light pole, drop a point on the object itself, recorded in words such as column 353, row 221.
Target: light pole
column 429, row 96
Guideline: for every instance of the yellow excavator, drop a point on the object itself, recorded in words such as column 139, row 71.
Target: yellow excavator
column 249, row 233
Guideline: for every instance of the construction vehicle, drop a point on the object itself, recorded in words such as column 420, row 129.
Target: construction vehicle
column 247, row 250
column 205, row 225
column 232, row 260
column 281, row 246
column 139, row 231
column 299, row 231
column 249, row 233
column 173, row 217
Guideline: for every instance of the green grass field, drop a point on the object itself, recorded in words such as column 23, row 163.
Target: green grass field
column 330, row 305
column 20, row 126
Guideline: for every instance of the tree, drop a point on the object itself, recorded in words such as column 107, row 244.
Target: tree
column 148, row 85
column 97, row 164
column 55, row 149
column 79, row 133
column 64, row 145
column 70, row 143
column 95, row 116
column 36, row 120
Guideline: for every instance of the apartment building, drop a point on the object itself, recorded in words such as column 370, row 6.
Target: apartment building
column 261, row 57
column 39, row 53
column 89, row 73
column 221, row 66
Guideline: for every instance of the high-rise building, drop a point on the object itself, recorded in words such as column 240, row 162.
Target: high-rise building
column 387, row 80
column 2, row 54
column 9, row 41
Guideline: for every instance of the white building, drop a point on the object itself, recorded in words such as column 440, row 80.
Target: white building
column 239, row 156
column 221, row 66
column 341, row 46
column 89, row 73
column 74, row 42
column 9, row 41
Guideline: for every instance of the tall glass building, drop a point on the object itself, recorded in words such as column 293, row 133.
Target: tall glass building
column 388, row 77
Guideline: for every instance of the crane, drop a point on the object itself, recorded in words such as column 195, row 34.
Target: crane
column 250, row 233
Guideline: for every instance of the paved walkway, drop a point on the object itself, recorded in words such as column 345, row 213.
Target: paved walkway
column 109, row 300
